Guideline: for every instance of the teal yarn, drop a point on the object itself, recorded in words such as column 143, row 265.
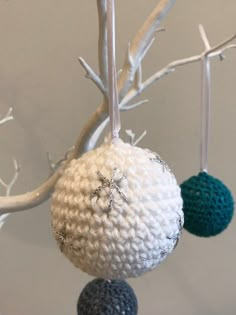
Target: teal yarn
column 208, row 205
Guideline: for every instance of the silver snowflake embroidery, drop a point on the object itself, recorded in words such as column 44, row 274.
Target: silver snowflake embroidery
column 158, row 159
column 177, row 236
column 181, row 224
column 113, row 185
column 64, row 239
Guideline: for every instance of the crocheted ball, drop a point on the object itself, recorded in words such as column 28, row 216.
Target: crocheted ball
column 117, row 211
column 208, row 205
column 105, row 297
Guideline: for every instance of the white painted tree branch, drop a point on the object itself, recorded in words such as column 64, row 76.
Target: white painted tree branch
column 220, row 48
column 140, row 138
column 3, row 218
column 51, row 163
column 141, row 43
column 138, row 79
column 211, row 52
column 8, row 187
column 10, row 204
column 90, row 74
column 133, row 106
column 53, row 166
column 132, row 136
column 134, row 92
column 7, row 117
column 204, row 37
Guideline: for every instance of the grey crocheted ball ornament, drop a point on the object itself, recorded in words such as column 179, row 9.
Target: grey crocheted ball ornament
column 117, row 211
column 104, row 297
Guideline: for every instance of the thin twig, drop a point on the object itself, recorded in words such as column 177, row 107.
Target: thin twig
column 132, row 136
column 138, row 78
column 3, row 219
column 204, row 37
column 8, row 188
column 55, row 165
column 90, row 74
column 133, row 106
column 7, row 117
column 218, row 48
column 140, row 138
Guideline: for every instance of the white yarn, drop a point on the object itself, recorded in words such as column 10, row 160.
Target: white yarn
column 117, row 211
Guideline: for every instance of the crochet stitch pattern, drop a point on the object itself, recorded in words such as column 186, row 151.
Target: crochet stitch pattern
column 105, row 297
column 208, row 205
column 120, row 213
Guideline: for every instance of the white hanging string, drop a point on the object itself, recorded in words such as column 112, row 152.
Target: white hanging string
column 205, row 119
column 112, row 76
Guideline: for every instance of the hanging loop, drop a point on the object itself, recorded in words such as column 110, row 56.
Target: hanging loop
column 112, row 76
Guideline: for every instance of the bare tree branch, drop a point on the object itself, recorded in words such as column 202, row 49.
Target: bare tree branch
column 10, row 204
column 211, row 52
column 132, row 136
column 90, row 74
column 43, row 192
column 171, row 67
column 8, row 187
column 129, row 107
column 138, row 80
column 204, row 37
column 7, row 117
column 218, row 49
column 53, row 166
column 140, row 44
column 136, row 142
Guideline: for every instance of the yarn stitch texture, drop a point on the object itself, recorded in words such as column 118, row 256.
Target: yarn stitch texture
column 117, row 211
column 208, row 205
column 102, row 297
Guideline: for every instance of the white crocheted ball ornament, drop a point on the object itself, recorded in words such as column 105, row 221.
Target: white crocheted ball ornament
column 117, row 211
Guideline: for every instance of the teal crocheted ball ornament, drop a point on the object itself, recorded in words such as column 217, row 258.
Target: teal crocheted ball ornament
column 208, row 205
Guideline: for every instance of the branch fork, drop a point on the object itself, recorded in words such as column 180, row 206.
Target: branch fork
column 8, row 187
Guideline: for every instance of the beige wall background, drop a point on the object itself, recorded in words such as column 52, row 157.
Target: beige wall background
column 42, row 80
